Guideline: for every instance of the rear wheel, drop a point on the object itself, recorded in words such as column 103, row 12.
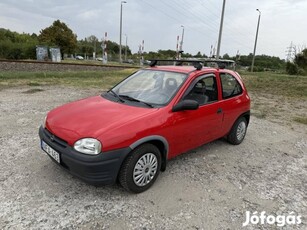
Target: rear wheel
column 141, row 168
column 238, row 131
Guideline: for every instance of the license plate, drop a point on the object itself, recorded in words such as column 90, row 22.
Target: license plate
column 51, row 152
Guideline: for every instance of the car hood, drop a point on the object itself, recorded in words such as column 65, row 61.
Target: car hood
column 91, row 117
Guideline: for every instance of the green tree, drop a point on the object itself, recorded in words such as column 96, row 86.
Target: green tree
column 58, row 34
column 301, row 59
column 262, row 62
column 226, row 56
column 198, row 55
column 84, row 48
column 93, row 40
column 17, row 46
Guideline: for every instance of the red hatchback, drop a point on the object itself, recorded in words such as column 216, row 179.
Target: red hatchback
column 128, row 133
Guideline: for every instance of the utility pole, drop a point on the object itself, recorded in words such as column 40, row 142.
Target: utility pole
column 181, row 43
column 253, row 61
column 120, row 31
column 220, row 33
column 104, row 48
column 141, row 51
column 177, row 48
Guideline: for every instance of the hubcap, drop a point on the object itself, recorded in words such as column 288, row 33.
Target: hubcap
column 145, row 169
column 241, row 130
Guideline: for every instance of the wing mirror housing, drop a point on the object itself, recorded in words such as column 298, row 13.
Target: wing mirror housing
column 185, row 105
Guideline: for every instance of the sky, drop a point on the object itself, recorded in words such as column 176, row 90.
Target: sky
column 159, row 22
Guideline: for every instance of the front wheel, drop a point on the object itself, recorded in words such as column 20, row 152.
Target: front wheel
column 141, row 168
column 238, row 131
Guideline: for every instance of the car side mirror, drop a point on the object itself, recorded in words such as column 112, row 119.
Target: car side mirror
column 185, row 105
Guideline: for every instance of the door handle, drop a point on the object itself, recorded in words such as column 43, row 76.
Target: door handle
column 219, row 110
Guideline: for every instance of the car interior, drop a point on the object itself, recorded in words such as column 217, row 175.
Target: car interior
column 204, row 91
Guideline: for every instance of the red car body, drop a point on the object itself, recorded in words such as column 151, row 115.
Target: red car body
column 121, row 127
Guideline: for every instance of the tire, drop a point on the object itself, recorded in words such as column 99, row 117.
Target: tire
column 140, row 169
column 238, row 131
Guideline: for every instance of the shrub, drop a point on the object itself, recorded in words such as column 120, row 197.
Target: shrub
column 292, row 68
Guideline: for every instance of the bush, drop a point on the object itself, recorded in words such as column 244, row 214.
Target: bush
column 301, row 71
column 292, row 68
column 256, row 69
column 17, row 51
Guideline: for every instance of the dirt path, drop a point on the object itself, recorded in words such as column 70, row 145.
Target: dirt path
column 209, row 188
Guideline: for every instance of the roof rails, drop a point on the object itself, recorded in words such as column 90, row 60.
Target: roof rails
column 198, row 64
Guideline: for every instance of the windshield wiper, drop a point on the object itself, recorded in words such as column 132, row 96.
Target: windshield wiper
column 134, row 99
column 116, row 95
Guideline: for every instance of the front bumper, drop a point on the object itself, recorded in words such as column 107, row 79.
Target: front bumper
column 101, row 169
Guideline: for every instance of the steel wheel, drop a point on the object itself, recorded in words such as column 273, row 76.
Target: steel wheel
column 141, row 168
column 238, row 131
column 145, row 169
column 241, row 130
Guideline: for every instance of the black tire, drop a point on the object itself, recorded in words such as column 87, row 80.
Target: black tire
column 238, row 131
column 135, row 174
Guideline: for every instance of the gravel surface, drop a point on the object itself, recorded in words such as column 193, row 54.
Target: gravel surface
column 209, row 188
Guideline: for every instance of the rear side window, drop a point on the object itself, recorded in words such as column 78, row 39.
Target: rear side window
column 230, row 86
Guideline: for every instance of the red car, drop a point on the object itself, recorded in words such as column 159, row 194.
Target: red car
column 130, row 132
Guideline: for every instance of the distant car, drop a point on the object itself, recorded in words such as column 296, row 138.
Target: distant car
column 99, row 59
column 146, row 62
column 129, row 61
column 130, row 132
column 78, row 57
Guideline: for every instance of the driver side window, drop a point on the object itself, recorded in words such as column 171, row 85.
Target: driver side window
column 203, row 90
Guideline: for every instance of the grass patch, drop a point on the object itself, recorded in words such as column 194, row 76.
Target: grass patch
column 276, row 83
column 302, row 120
column 84, row 79
column 258, row 82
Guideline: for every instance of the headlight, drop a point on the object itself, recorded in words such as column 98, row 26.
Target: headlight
column 89, row 146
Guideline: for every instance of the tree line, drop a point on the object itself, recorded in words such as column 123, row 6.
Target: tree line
column 14, row 45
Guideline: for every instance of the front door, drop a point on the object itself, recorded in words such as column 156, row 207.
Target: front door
column 193, row 128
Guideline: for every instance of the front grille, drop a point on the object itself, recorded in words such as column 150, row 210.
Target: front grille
column 55, row 139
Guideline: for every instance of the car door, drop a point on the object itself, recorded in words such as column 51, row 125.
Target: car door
column 193, row 128
column 231, row 92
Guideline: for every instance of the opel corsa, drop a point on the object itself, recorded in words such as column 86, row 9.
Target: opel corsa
column 130, row 132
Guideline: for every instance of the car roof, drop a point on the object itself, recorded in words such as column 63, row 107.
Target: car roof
column 181, row 69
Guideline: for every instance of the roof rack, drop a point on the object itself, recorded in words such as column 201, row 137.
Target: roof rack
column 198, row 64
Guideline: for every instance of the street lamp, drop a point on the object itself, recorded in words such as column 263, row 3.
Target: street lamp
column 253, row 61
column 120, row 30
column 181, row 43
column 126, row 47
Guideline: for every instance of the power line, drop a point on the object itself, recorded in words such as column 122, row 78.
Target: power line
column 173, row 18
column 175, row 7
column 227, row 27
column 183, row 9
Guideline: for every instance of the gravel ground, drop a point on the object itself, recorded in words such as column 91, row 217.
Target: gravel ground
column 209, row 188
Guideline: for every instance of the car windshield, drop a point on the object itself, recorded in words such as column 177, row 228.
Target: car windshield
column 151, row 87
